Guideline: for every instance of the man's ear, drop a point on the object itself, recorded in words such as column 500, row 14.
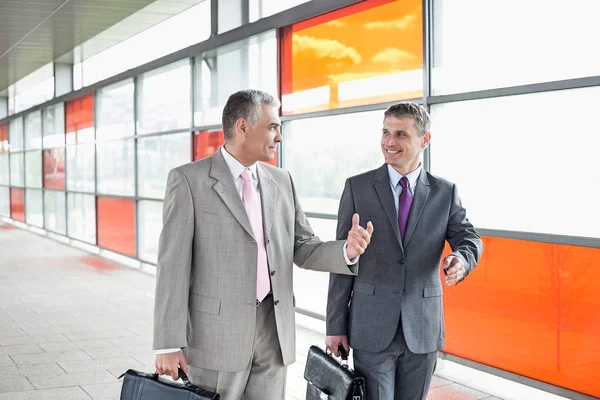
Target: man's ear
column 241, row 125
column 426, row 140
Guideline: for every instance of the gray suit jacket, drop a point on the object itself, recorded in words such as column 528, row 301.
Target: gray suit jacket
column 399, row 280
column 206, row 279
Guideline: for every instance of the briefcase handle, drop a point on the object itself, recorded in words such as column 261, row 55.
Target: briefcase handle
column 183, row 376
column 343, row 354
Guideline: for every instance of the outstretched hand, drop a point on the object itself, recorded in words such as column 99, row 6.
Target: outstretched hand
column 358, row 237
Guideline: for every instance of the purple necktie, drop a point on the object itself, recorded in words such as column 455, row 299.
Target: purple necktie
column 404, row 204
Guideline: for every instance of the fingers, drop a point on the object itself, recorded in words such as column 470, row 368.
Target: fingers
column 345, row 344
column 355, row 220
column 370, row 228
column 334, row 342
column 455, row 272
column 182, row 363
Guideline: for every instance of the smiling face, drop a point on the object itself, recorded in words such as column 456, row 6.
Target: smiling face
column 401, row 143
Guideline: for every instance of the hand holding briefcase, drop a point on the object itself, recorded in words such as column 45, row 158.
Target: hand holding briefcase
column 330, row 380
column 143, row 386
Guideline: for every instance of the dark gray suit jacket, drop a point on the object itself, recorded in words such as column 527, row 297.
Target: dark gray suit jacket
column 399, row 280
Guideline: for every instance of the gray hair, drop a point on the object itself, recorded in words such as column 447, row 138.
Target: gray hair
column 415, row 111
column 245, row 104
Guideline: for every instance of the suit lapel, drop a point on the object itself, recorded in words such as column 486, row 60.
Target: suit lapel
column 268, row 195
column 416, row 209
column 225, row 188
column 384, row 191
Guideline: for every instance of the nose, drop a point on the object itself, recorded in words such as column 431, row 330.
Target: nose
column 278, row 137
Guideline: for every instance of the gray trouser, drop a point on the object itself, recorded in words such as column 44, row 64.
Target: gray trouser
column 396, row 373
column 263, row 378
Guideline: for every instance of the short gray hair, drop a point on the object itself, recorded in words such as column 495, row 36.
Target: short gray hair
column 415, row 111
column 245, row 104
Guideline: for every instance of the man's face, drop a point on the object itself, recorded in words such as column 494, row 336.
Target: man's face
column 401, row 144
column 260, row 141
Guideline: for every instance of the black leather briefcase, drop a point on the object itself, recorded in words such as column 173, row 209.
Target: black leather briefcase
column 143, row 386
column 330, row 380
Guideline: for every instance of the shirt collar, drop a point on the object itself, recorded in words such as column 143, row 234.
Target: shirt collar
column 235, row 167
column 412, row 177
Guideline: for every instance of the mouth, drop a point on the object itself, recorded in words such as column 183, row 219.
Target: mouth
column 392, row 152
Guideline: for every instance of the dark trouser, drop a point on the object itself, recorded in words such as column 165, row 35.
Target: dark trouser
column 396, row 373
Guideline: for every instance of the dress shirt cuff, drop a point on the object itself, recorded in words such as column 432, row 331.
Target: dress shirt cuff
column 349, row 261
column 166, row 351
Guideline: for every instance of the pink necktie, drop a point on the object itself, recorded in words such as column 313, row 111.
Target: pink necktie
column 250, row 199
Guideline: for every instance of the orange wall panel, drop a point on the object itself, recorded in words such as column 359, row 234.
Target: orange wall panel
column 3, row 138
column 17, row 204
column 79, row 115
column 116, row 225
column 530, row 308
column 379, row 40
column 206, row 143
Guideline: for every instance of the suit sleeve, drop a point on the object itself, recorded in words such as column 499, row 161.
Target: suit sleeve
column 310, row 252
column 461, row 235
column 174, row 265
column 340, row 286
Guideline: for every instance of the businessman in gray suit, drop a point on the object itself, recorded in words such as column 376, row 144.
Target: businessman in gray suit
column 391, row 313
column 233, row 227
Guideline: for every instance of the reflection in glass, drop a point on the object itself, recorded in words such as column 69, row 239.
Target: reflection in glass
column 156, row 157
column 4, row 201
column 255, row 61
column 4, row 169
column 150, row 226
column 33, row 130
column 344, row 145
column 17, row 175
column 558, row 193
column 80, row 167
column 54, row 211
column 82, row 217
column 164, row 99
column 54, row 168
column 54, row 125
column 33, row 169
column 116, row 167
column 15, row 134
column 114, row 111
column 34, row 210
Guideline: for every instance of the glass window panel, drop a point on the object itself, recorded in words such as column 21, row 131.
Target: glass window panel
column 164, row 99
column 33, row 130
column 361, row 151
column 230, row 15
column 4, row 169
column 3, row 138
column 4, row 201
column 206, row 143
column 156, row 157
column 17, row 204
column 247, row 64
column 116, row 225
column 311, row 287
column 150, row 226
column 33, row 169
column 54, row 168
column 54, row 126
column 482, row 53
column 15, row 134
column 116, row 167
column 82, row 217
column 35, row 88
column 517, row 186
column 17, row 175
column 114, row 117
column 79, row 120
column 35, row 208
column 264, row 8
column 162, row 37
column 54, row 211
column 80, row 167
column 354, row 56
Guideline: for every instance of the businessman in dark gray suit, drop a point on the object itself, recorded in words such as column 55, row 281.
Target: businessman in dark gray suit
column 391, row 313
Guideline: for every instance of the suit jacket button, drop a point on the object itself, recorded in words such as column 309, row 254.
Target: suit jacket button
column 276, row 302
column 404, row 292
column 401, row 262
column 272, row 273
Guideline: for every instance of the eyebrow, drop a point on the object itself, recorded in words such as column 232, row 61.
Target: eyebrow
column 398, row 131
column 274, row 124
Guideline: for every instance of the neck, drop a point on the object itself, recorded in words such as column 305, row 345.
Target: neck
column 238, row 155
column 405, row 170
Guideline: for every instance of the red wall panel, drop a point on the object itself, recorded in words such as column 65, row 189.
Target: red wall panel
column 17, row 204
column 79, row 115
column 116, row 225
column 3, row 138
column 533, row 309
column 206, row 143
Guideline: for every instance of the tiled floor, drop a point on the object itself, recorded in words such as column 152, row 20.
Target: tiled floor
column 70, row 324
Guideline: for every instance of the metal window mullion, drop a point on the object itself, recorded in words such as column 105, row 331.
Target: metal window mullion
column 214, row 17
column 193, row 65
column 135, row 167
column 95, row 158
